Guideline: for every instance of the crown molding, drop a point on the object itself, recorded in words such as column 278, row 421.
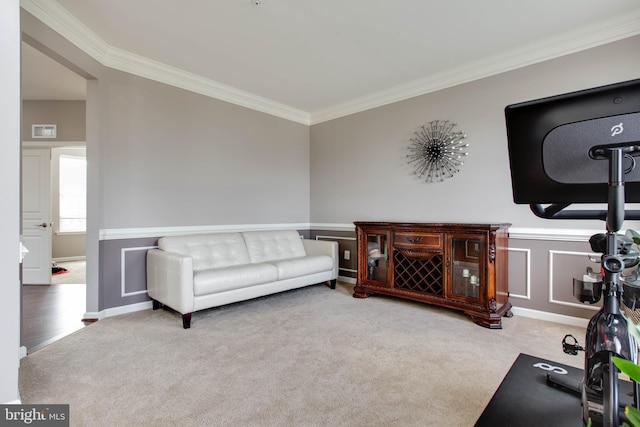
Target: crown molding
column 62, row 22
column 144, row 67
column 58, row 19
column 570, row 42
column 65, row 24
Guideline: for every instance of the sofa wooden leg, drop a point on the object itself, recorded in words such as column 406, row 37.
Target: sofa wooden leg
column 333, row 284
column 156, row 304
column 186, row 320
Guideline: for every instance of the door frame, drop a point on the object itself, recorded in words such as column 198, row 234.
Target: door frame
column 48, row 145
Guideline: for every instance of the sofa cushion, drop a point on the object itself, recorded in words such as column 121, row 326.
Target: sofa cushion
column 273, row 245
column 225, row 279
column 213, row 250
column 302, row 266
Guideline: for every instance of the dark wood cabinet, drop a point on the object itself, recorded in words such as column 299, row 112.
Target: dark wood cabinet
column 459, row 266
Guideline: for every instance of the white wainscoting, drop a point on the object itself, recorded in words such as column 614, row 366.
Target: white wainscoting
column 527, row 269
column 553, row 254
column 123, row 270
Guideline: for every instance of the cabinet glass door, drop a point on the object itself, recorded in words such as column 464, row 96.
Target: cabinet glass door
column 466, row 275
column 377, row 257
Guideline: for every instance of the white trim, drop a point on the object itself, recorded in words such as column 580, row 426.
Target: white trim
column 93, row 315
column 322, row 236
column 559, row 234
column 144, row 67
column 124, row 309
column 135, row 233
column 565, row 235
column 331, row 226
column 350, row 280
column 54, row 144
column 123, row 275
column 116, row 311
column 552, row 253
column 58, row 19
column 550, row 317
column 581, row 39
column 524, row 312
column 70, row 258
column 527, row 295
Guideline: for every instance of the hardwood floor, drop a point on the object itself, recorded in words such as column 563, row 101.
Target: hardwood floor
column 50, row 312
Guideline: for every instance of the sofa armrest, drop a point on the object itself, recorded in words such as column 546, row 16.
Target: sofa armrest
column 170, row 280
column 323, row 247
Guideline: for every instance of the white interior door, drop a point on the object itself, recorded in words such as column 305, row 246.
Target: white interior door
column 36, row 215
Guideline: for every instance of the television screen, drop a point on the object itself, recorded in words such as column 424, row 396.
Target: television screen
column 550, row 144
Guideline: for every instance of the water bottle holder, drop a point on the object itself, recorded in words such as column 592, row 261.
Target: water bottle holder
column 587, row 291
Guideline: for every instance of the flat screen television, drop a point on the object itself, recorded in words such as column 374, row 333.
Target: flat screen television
column 550, row 141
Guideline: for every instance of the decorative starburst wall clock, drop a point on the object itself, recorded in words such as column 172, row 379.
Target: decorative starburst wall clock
column 436, row 151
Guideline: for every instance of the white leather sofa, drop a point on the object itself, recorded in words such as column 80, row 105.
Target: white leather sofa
column 195, row 272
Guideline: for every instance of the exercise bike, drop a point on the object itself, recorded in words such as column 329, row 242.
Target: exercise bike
column 607, row 333
column 557, row 149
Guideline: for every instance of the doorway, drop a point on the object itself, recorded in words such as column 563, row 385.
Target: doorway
column 51, row 94
column 54, row 307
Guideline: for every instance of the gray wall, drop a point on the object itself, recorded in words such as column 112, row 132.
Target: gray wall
column 171, row 157
column 358, row 168
column 10, row 196
column 69, row 116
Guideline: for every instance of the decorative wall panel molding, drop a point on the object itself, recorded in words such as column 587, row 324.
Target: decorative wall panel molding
column 123, row 270
column 527, row 270
column 558, row 267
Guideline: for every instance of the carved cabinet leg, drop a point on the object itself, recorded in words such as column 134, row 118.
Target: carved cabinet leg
column 359, row 293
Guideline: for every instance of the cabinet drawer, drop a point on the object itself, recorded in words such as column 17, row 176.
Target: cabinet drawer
column 418, row 239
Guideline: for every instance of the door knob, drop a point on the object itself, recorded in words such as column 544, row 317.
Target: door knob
column 43, row 225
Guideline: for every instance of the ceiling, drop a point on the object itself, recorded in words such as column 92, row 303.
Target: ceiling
column 44, row 79
column 310, row 61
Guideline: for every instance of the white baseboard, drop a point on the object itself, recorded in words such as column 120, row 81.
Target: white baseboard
column 115, row 311
column 93, row 315
column 524, row 312
column 347, row 280
column 70, row 258
column 551, row 317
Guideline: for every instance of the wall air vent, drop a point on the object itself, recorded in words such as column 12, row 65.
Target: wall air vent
column 43, row 131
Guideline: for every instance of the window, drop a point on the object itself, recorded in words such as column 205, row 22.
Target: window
column 73, row 194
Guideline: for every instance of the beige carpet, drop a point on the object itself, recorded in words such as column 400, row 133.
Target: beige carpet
column 76, row 273
column 309, row 357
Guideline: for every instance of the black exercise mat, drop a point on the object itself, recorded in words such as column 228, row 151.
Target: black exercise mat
column 525, row 399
